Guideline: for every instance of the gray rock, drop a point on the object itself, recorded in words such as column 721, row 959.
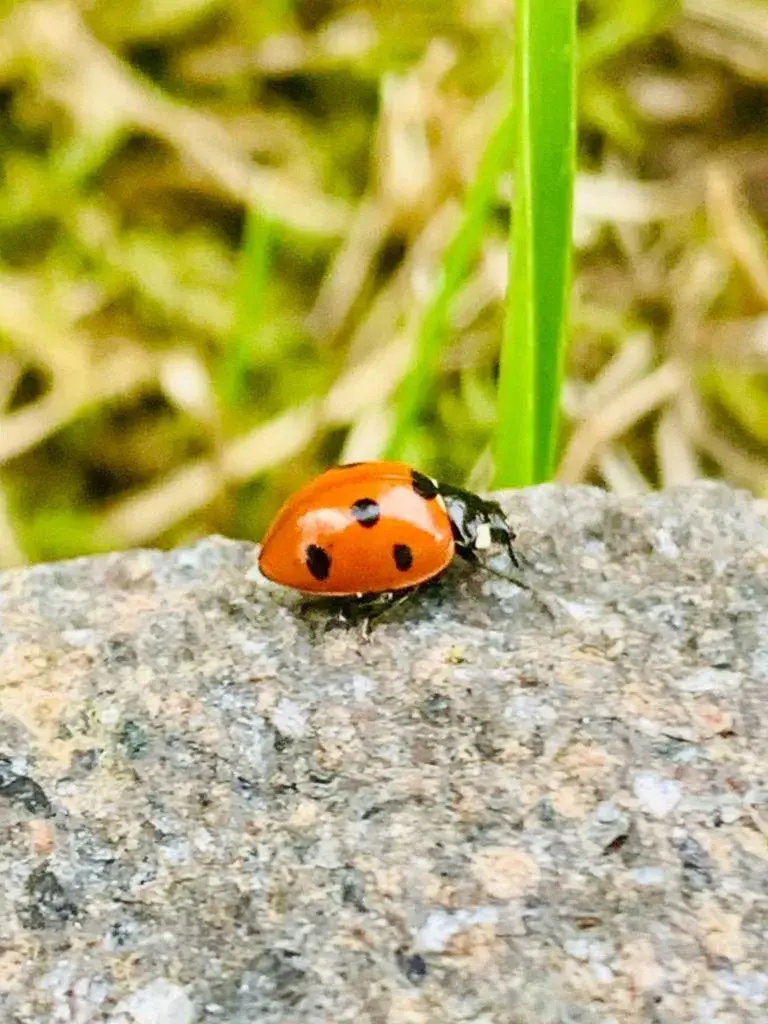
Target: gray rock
column 215, row 809
column 159, row 1002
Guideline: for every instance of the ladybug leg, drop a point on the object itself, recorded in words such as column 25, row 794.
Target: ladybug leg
column 513, row 556
column 319, row 615
column 388, row 602
column 392, row 600
column 323, row 614
column 353, row 611
column 467, row 553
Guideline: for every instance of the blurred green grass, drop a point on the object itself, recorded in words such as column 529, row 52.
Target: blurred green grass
column 225, row 229
column 415, row 392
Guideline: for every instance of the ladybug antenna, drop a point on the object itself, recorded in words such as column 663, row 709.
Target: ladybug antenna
column 512, row 555
column 510, row 577
column 519, row 582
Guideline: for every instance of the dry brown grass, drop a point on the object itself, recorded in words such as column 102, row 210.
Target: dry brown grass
column 134, row 143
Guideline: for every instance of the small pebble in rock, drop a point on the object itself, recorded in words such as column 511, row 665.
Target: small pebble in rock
column 441, row 925
column 290, row 719
column 607, row 812
column 159, row 1002
column 648, row 876
column 602, row 973
column 710, row 680
column 362, row 686
column 752, row 986
column 665, row 544
column 657, row 796
column 577, row 948
column 505, row 873
column 109, row 715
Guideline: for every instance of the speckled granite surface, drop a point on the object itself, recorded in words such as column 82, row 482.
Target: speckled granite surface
column 213, row 811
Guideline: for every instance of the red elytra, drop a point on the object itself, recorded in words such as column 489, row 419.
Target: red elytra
column 376, row 527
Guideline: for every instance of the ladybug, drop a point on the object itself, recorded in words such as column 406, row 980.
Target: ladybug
column 372, row 528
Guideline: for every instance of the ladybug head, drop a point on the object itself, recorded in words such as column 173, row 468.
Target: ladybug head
column 477, row 523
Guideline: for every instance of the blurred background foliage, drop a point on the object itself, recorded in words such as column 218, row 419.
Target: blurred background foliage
column 221, row 222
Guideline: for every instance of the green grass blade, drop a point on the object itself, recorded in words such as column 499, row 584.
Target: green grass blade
column 540, row 241
column 418, row 383
column 553, row 119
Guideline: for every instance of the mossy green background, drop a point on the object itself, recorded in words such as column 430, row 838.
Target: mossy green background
column 222, row 227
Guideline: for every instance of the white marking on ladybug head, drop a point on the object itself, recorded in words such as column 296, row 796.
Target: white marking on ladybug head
column 483, row 537
column 441, row 502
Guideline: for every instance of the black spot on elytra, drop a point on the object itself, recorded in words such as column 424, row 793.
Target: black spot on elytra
column 318, row 562
column 403, row 557
column 423, row 485
column 366, row 512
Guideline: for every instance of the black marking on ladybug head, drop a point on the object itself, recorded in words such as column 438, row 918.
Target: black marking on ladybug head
column 424, row 486
column 349, row 465
column 403, row 557
column 318, row 562
column 366, row 512
column 475, row 522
